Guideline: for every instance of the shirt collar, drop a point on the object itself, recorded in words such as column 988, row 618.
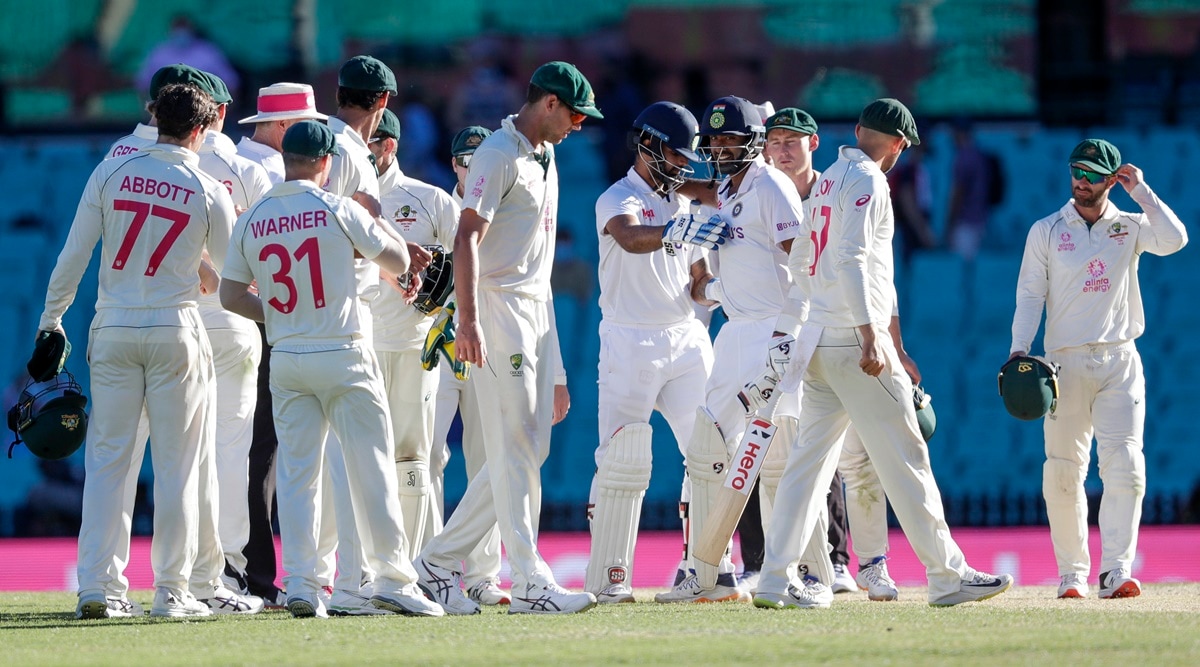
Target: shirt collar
column 295, row 187
column 143, row 131
column 173, row 153
column 854, row 154
column 216, row 142
column 340, row 127
column 390, row 178
column 1071, row 214
column 257, row 148
column 523, row 142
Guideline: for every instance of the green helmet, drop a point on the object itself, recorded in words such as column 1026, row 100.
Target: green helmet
column 926, row 419
column 53, row 421
column 1029, row 387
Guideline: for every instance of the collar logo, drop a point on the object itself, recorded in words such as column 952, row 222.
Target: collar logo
column 516, row 360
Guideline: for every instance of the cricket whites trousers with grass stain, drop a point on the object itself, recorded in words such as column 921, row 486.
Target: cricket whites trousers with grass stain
column 1102, row 392
column 835, row 392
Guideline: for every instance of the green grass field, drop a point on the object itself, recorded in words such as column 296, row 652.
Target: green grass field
column 1024, row 626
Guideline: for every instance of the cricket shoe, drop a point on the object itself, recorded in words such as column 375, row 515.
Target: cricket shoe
column 1118, row 584
column 809, row 595
column 225, row 601
column 171, row 604
column 615, row 594
column 96, row 605
column 843, row 582
column 689, row 590
column 487, row 592
column 408, row 601
column 549, row 599
column 311, row 605
column 352, row 603
column 747, row 582
column 1073, row 585
column 975, row 587
column 875, row 580
column 444, row 586
column 275, row 600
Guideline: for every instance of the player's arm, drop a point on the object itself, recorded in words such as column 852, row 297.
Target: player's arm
column 1033, row 285
column 221, row 219
column 562, row 397
column 703, row 191
column 469, row 346
column 210, row 279
column 632, row 235
column 851, row 261
column 1167, row 234
column 701, row 279
column 76, row 254
column 906, row 361
column 237, row 298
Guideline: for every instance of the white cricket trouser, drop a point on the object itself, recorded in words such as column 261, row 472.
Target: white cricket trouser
column 411, row 392
column 739, row 356
column 836, row 392
column 1102, row 392
column 314, row 390
column 236, row 353
column 647, row 369
column 169, row 369
column 866, row 504
column 340, row 524
column 458, row 396
column 516, row 402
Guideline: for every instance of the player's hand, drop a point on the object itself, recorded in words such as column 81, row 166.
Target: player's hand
column 414, row 286
column 871, row 362
column 469, row 345
column 1128, row 176
column 910, row 367
column 687, row 229
column 418, row 257
column 1018, row 353
column 779, row 355
column 755, row 394
column 562, row 403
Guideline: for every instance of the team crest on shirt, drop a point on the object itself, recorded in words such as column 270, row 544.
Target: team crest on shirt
column 405, row 216
column 737, row 209
column 517, row 360
column 70, row 422
column 1118, row 232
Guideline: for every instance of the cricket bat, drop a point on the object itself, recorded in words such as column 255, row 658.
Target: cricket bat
column 730, row 500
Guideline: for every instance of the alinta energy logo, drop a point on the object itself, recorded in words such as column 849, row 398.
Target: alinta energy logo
column 1064, row 242
column 1097, row 283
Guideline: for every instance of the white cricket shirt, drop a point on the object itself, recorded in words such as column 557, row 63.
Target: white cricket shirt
column 298, row 242
column 246, row 182
column 765, row 212
column 845, row 265
column 143, row 136
column 267, row 157
column 643, row 289
column 154, row 211
column 509, row 187
column 423, row 214
column 1087, row 278
column 353, row 171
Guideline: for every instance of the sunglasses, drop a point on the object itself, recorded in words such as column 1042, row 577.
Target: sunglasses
column 1081, row 174
column 576, row 117
column 463, row 161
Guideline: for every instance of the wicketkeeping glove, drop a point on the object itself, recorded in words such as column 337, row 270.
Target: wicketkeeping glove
column 687, row 229
column 440, row 339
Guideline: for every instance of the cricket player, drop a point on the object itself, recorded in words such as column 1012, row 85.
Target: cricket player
column 791, row 140
column 481, row 567
column 844, row 295
column 505, row 317
column 1080, row 264
column 654, row 353
column 153, row 213
column 217, row 572
column 426, row 215
column 280, row 106
column 298, row 243
column 762, row 212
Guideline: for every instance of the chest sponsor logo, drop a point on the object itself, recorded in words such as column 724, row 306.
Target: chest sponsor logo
column 1064, row 242
column 780, row 226
column 1118, row 232
column 1097, row 283
column 648, row 214
column 862, row 201
column 737, row 232
column 516, row 361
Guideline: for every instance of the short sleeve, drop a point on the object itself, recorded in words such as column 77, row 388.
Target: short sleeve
column 491, row 175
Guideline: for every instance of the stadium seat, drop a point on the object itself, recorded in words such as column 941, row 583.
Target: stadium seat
column 993, row 279
column 409, row 22
column 36, row 106
column 937, row 293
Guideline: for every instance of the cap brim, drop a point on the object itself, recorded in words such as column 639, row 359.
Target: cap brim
column 1092, row 166
column 591, row 112
column 283, row 115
